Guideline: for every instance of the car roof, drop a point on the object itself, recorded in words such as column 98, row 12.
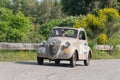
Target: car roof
column 69, row 28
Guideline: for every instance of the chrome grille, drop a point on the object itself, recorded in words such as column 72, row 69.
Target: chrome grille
column 53, row 50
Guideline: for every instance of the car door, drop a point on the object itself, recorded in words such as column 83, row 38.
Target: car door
column 82, row 45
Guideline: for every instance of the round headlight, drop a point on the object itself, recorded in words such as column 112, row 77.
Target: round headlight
column 42, row 43
column 67, row 44
column 52, row 43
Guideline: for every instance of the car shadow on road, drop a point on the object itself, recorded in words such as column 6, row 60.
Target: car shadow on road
column 26, row 63
column 51, row 64
column 60, row 65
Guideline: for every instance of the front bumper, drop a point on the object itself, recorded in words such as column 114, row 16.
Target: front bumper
column 59, row 55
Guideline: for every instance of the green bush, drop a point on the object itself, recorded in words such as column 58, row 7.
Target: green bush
column 14, row 27
column 46, row 27
column 115, row 39
column 102, row 39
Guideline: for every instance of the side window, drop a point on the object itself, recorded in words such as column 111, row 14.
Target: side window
column 82, row 35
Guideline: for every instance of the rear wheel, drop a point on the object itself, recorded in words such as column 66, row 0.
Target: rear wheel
column 57, row 61
column 73, row 60
column 87, row 62
column 40, row 60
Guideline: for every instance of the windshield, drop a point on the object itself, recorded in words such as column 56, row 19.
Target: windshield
column 61, row 32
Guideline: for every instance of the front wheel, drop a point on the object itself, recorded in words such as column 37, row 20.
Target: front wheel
column 40, row 60
column 73, row 60
column 87, row 62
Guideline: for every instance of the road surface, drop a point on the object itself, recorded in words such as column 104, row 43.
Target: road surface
column 97, row 70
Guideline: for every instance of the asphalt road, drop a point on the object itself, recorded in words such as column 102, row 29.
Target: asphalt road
column 97, row 70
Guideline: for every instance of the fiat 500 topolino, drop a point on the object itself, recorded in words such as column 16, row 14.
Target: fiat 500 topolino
column 65, row 43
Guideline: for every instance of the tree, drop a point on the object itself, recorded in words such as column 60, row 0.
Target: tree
column 77, row 7
column 48, row 10
column 30, row 7
column 108, row 3
column 15, row 5
column 5, row 3
column 56, row 12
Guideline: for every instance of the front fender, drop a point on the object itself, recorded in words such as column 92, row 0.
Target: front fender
column 89, row 52
column 72, row 50
column 67, row 52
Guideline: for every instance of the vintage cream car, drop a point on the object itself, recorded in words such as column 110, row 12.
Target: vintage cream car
column 65, row 43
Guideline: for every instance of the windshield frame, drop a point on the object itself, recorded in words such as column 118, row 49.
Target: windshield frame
column 64, row 32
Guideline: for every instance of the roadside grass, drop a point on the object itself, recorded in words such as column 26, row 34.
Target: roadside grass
column 99, row 54
column 10, row 55
column 114, row 54
column 13, row 56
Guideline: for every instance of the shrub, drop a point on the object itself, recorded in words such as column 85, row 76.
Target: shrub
column 115, row 39
column 105, row 21
column 102, row 39
column 109, row 13
column 93, row 25
column 46, row 27
column 14, row 27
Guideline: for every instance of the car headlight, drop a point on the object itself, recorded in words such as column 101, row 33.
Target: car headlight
column 52, row 43
column 67, row 44
column 42, row 43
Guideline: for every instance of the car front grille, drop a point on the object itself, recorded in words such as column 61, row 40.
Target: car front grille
column 53, row 49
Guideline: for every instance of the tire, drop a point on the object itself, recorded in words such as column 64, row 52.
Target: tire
column 73, row 60
column 40, row 60
column 87, row 62
column 57, row 61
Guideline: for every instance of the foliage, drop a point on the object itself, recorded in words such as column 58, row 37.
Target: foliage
column 14, row 27
column 66, row 22
column 93, row 24
column 115, row 39
column 4, row 3
column 40, row 11
column 102, row 38
column 34, row 37
column 48, row 10
column 105, row 21
column 109, row 4
column 109, row 13
column 46, row 27
column 77, row 7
